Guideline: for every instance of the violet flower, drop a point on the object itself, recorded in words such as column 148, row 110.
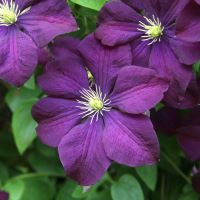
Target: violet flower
column 26, row 26
column 93, row 125
column 150, row 26
column 188, row 23
column 4, row 195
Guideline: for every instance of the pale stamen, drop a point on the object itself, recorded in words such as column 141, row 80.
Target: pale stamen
column 153, row 30
column 93, row 103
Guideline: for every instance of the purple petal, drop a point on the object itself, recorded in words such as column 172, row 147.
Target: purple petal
column 167, row 120
column 167, row 64
column 47, row 19
column 65, row 47
column 187, row 52
column 141, row 52
column 130, row 139
column 60, row 78
column 188, row 138
column 137, row 89
column 44, row 56
column 4, row 195
column 104, row 62
column 82, row 153
column 173, row 9
column 177, row 98
column 18, row 56
column 118, row 24
column 55, row 117
column 188, row 23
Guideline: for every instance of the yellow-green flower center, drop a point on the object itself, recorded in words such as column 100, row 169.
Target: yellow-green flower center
column 152, row 29
column 9, row 12
column 96, row 103
column 93, row 102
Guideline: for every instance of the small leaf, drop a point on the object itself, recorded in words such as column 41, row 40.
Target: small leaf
column 23, row 125
column 93, row 4
column 149, row 175
column 127, row 188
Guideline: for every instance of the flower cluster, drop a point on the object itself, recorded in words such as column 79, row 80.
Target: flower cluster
column 99, row 91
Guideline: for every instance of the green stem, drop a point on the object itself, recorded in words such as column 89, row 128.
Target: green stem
column 171, row 162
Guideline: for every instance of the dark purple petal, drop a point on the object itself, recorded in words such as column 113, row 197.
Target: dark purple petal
column 104, row 62
column 4, row 195
column 47, row 19
column 172, row 9
column 166, row 120
column 187, row 52
column 18, row 56
column 167, row 64
column 141, row 52
column 65, row 47
column 188, row 23
column 64, row 78
column 183, row 100
column 130, row 139
column 118, row 24
column 188, row 138
column 82, row 153
column 137, row 89
column 44, row 56
column 55, row 119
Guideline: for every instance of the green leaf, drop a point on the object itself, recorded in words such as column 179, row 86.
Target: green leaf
column 127, row 188
column 15, row 97
column 23, row 125
column 4, row 175
column 188, row 194
column 30, row 84
column 79, row 192
column 149, row 175
column 66, row 191
column 93, row 4
column 30, row 189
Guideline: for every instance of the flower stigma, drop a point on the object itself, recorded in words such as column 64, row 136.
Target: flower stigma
column 9, row 12
column 93, row 103
column 153, row 30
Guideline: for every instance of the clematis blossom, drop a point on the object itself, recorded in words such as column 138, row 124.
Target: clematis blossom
column 25, row 27
column 149, row 26
column 93, row 125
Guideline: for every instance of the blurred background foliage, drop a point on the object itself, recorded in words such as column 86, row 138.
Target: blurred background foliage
column 30, row 170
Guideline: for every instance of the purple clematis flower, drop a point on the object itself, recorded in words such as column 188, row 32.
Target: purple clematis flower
column 26, row 26
column 150, row 26
column 95, row 124
column 188, row 23
column 4, row 195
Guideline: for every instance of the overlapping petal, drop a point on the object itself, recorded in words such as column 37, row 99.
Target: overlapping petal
column 47, row 19
column 82, row 153
column 55, row 117
column 130, row 139
column 60, row 78
column 188, row 23
column 137, row 89
column 18, row 56
column 104, row 62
